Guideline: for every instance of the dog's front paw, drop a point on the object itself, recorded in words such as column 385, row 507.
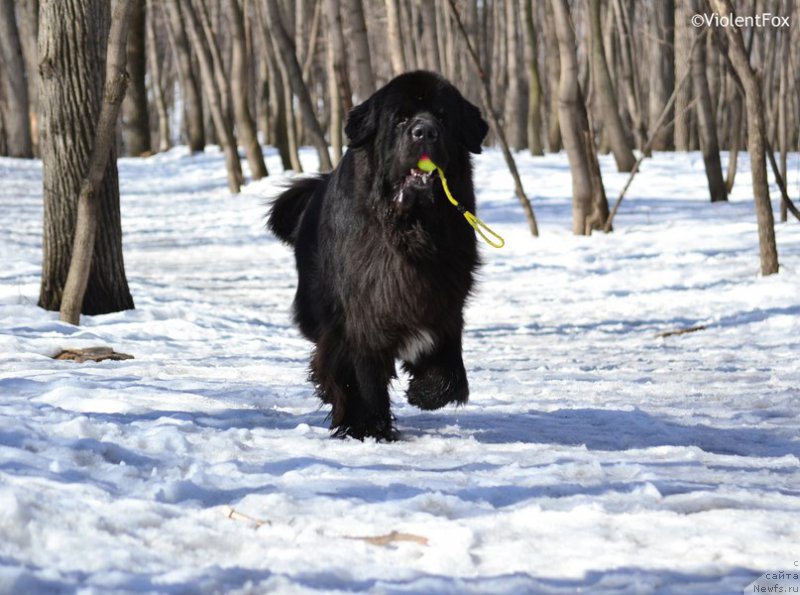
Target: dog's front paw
column 436, row 387
column 382, row 430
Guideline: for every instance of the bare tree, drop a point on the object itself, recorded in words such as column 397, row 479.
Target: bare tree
column 396, row 53
column 662, row 67
column 116, row 81
column 192, row 100
column 240, row 74
column 755, row 141
column 284, row 50
column 575, row 130
column 154, row 64
column 706, row 123
column 72, row 47
column 135, row 120
column 534, row 82
column 683, row 41
column 612, row 123
column 222, row 125
column 15, row 89
column 365, row 78
column 515, row 106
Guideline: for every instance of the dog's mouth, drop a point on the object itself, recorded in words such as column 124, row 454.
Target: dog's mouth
column 417, row 179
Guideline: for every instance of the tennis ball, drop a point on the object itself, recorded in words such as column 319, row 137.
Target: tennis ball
column 426, row 165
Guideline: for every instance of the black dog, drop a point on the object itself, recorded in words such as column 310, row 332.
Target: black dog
column 384, row 261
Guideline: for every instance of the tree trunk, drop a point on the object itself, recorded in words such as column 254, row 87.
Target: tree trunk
column 285, row 53
column 337, row 44
column 135, row 121
column 553, row 68
column 430, row 43
column 154, row 64
column 662, row 69
column 612, row 123
column 15, row 89
column 783, row 124
column 116, row 81
column 365, row 78
column 240, row 73
column 515, row 116
column 755, row 141
column 279, row 91
column 213, row 94
column 72, row 47
column 706, row 123
column 395, row 39
column 29, row 32
column 486, row 100
column 683, row 41
column 192, row 99
column 575, row 126
column 534, row 83
column 622, row 18
column 334, row 96
column 736, row 138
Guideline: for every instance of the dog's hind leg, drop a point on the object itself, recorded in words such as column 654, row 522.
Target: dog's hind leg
column 438, row 378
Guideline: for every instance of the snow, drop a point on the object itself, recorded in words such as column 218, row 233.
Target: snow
column 592, row 456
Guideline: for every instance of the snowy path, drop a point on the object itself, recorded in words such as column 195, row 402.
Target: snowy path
column 592, row 455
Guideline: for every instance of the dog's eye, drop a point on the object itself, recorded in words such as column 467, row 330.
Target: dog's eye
column 402, row 122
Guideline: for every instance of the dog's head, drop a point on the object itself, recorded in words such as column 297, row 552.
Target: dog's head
column 415, row 114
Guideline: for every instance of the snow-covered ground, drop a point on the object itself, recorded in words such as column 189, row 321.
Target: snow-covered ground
column 592, row 455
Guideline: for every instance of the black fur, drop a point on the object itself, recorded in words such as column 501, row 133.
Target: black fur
column 385, row 263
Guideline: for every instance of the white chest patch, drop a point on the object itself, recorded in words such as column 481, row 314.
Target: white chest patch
column 416, row 345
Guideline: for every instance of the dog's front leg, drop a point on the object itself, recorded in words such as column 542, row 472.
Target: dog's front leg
column 438, row 378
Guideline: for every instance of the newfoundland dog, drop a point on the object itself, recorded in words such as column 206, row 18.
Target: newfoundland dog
column 384, row 261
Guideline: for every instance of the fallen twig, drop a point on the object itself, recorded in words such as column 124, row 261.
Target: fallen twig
column 235, row 515
column 391, row 538
column 683, row 331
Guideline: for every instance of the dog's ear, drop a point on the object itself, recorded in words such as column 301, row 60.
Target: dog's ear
column 473, row 127
column 361, row 123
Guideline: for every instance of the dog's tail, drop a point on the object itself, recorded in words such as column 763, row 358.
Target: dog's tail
column 287, row 210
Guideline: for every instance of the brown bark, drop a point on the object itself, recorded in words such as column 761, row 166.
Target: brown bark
column 534, row 128
column 612, row 123
column 574, row 125
column 15, row 89
column 29, row 32
column 135, row 120
column 515, row 105
column 622, row 18
column 553, row 68
column 662, row 70
column 213, row 94
column 192, row 99
column 395, row 41
column 430, row 42
column 72, row 48
column 284, row 50
column 154, row 65
column 706, row 123
column 755, row 141
column 116, row 82
column 365, row 78
column 683, row 59
column 488, row 109
column 240, row 74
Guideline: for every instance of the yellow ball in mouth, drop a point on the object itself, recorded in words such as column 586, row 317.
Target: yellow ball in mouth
column 426, row 165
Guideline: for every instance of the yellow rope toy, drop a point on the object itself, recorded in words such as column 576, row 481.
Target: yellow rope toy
column 426, row 165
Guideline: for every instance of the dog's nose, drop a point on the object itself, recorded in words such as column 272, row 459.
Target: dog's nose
column 424, row 130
